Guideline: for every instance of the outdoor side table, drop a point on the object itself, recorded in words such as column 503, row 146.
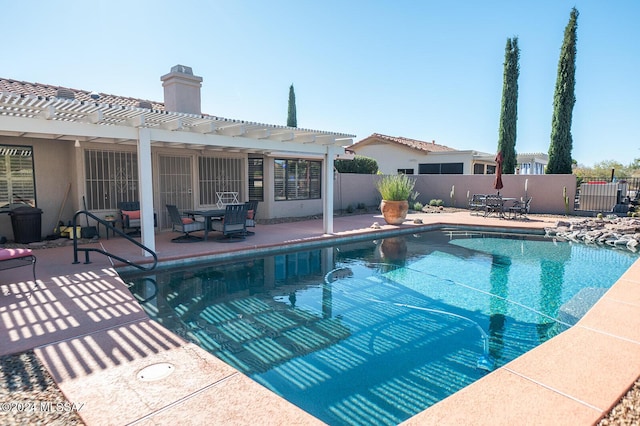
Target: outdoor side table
column 112, row 222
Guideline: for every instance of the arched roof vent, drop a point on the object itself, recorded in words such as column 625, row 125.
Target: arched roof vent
column 65, row 93
column 145, row 104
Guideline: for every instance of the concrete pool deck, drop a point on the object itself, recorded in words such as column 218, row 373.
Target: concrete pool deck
column 95, row 340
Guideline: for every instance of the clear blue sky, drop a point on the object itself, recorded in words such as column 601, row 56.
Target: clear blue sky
column 427, row 70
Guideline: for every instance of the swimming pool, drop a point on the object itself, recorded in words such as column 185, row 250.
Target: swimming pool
column 375, row 332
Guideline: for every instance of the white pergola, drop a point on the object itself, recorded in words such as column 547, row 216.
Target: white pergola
column 81, row 121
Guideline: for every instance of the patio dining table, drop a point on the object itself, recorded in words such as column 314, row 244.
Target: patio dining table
column 503, row 201
column 208, row 215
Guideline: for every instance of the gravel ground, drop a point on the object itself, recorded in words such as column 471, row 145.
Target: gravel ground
column 627, row 411
column 29, row 396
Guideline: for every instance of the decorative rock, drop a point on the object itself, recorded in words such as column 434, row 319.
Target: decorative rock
column 618, row 232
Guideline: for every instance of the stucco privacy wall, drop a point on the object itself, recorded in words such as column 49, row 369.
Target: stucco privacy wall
column 546, row 190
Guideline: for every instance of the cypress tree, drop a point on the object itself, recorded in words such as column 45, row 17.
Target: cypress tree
column 509, row 108
column 292, row 120
column 563, row 101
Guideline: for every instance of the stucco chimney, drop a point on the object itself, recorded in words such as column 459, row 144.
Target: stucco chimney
column 182, row 90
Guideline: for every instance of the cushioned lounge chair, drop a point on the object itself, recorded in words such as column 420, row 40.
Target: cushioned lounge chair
column 185, row 225
column 234, row 222
column 14, row 258
column 252, row 210
column 130, row 216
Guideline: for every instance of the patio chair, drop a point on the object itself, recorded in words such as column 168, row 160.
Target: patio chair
column 15, row 258
column 130, row 216
column 252, row 210
column 493, row 204
column 185, row 225
column 234, row 222
column 520, row 209
column 476, row 203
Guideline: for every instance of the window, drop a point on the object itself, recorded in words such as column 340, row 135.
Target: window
column 217, row 174
column 440, row 169
column 491, row 170
column 256, row 179
column 111, row 177
column 478, row 169
column 297, row 179
column 405, row 171
column 451, row 168
column 429, row 169
column 17, row 179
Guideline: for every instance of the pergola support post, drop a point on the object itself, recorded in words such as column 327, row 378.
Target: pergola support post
column 145, row 190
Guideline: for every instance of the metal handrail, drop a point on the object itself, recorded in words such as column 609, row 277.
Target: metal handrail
column 108, row 227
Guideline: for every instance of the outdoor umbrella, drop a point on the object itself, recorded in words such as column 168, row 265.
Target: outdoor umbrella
column 497, row 183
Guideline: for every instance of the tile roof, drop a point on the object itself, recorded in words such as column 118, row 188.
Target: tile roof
column 48, row 91
column 411, row 143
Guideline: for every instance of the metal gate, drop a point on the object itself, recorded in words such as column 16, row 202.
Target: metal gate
column 606, row 195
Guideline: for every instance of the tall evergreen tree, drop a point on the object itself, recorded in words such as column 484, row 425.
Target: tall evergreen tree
column 509, row 108
column 563, row 101
column 292, row 120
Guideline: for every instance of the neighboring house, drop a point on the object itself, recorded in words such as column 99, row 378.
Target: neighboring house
column 410, row 156
column 107, row 149
column 532, row 164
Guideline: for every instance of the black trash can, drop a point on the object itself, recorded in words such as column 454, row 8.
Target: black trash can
column 27, row 224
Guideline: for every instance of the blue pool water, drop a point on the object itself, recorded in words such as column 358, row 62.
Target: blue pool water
column 377, row 331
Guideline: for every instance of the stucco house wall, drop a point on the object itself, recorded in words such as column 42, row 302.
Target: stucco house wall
column 397, row 158
column 398, row 153
column 54, row 162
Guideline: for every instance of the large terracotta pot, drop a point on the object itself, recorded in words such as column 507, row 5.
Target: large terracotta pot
column 394, row 212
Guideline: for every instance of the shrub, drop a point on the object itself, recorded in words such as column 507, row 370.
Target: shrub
column 361, row 206
column 418, row 206
column 359, row 164
column 436, row 203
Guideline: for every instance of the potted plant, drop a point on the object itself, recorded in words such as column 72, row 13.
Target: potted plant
column 395, row 191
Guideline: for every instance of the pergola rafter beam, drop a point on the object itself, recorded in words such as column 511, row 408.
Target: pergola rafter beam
column 234, row 130
column 69, row 119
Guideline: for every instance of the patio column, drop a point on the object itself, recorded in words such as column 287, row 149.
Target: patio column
column 327, row 196
column 145, row 190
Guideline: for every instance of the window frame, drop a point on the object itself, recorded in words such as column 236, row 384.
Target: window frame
column 297, row 179
column 256, row 178
column 12, row 167
column 441, row 168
